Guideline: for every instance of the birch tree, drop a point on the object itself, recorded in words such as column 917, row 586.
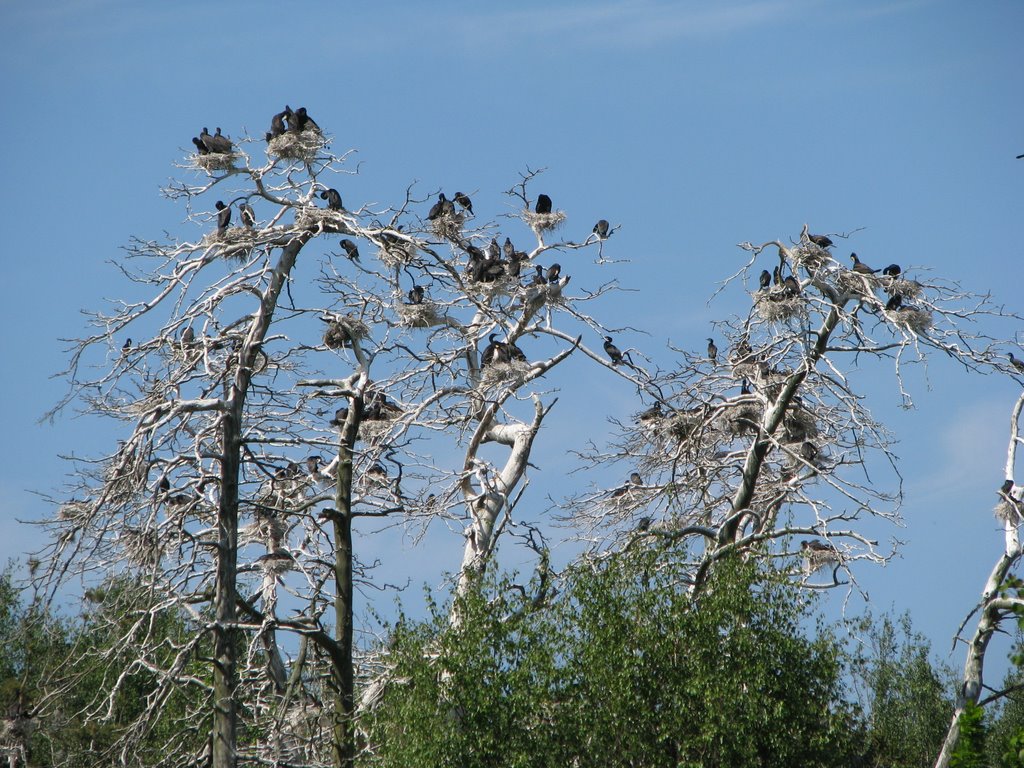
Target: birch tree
column 295, row 367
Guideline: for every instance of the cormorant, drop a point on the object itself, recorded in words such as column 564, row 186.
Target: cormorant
column 126, row 347
column 351, row 249
column 860, row 267
column 894, row 303
column 712, row 350
column 313, row 464
column 543, row 204
column 188, row 336
column 221, row 143
column 1006, row 487
column 744, row 387
column 438, row 208
column 247, row 215
column 766, row 278
column 514, row 353
column 301, row 121
column 822, row 241
column 612, row 351
column 893, row 270
column 340, row 416
column 333, row 199
column 792, row 286
column 539, row 278
column 200, row 147
column 223, row 216
column 463, row 200
column 165, row 485
column 553, row 272
column 493, row 249
column 416, row 294
column 1018, row 364
column 508, row 249
column 777, row 276
column 277, row 126
column 809, row 452
column 515, row 265
column 494, row 352
column 601, row 229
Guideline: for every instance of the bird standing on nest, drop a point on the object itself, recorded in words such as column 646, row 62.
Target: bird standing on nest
column 822, row 241
column 543, row 204
column 333, row 199
column 223, row 216
column 860, row 267
column 463, row 200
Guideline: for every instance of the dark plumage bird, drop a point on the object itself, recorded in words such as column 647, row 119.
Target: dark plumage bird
column 351, row 249
column 126, row 347
column 247, row 215
column 634, row 480
column 200, row 147
column 494, row 352
column 539, row 278
column 313, row 464
column 766, row 278
column 613, row 352
column 514, row 353
column 1006, row 487
column 463, row 200
column 809, row 452
column 860, row 267
column 188, row 336
column 553, row 272
column 437, row 209
column 1018, row 364
column 652, row 413
column 543, row 204
column 493, row 249
column 416, row 294
column 822, row 241
column 791, row 285
column 508, row 249
column 893, row 270
column 777, row 276
column 894, row 303
column 223, row 216
column 340, row 416
column 333, row 199
column 820, row 547
column 301, row 121
column 601, row 229
column 277, row 126
column 712, row 350
column 221, row 143
column 165, row 485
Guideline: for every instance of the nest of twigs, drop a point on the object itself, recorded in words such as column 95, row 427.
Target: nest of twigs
column 514, row 374
column 857, row 283
column 544, row 222
column 237, row 242
column 777, row 305
column 374, row 429
column 141, row 545
column 819, row 558
column 423, row 315
column 396, row 255
column 799, row 425
column 297, row 146
column 740, row 419
column 448, row 227
column 321, row 220
column 216, row 161
column 906, row 289
column 341, row 333
column 502, row 286
column 917, row 320
column 1009, row 512
column 681, row 425
column 809, row 256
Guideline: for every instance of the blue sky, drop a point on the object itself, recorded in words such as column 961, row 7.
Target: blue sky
column 693, row 125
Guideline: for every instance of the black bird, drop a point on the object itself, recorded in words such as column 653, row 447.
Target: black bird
column 543, row 204
column 438, row 208
column 340, row 416
column 744, row 387
column 301, row 121
column 539, row 278
column 223, row 216
column 893, row 270
column 792, row 286
column 277, row 126
column 508, row 249
column 766, row 278
column 221, row 143
column 1006, row 487
column 860, row 267
column 463, row 200
column 612, row 351
column 313, row 464
column 712, row 350
column 494, row 352
column 822, row 241
column 514, row 353
column 894, row 303
column 351, row 249
column 515, row 265
column 553, row 272
column 601, row 229
column 200, row 147
column 165, row 485
column 809, row 452
column 416, row 294
column 493, row 249
column 126, row 347
column 817, row 546
column 188, row 336
column 1018, row 364
column 777, row 276
column 247, row 215
column 654, row 412
column 333, row 199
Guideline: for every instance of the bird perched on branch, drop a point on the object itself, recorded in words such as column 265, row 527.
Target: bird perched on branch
column 712, row 350
column 543, row 204
column 613, row 352
column 894, row 303
column 351, row 249
column 893, row 270
column 463, row 200
column 1018, row 364
column 553, row 272
column 215, row 144
column 416, row 294
column 247, row 215
column 300, row 121
column 437, row 209
column 601, row 229
column 791, row 285
column 200, row 147
column 494, row 352
column 765, row 279
column 333, row 199
column 277, row 125
column 822, row 241
column 860, row 267
column 223, row 216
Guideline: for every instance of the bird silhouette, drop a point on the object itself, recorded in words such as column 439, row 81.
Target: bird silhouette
column 543, row 204
column 613, row 352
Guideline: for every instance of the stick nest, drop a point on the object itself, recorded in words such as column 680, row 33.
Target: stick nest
column 799, row 426
column 1008, row 512
column 423, row 315
column 396, row 255
column 216, row 161
column 543, row 222
column 810, row 256
column 448, row 227
column 514, row 374
column 297, row 146
column 340, row 333
column 322, row 220
column 917, row 320
column 907, row 289
column 857, row 283
column 777, row 305
column 741, row 419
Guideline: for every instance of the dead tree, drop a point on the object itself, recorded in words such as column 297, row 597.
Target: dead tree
column 765, row 446
column 998, row 604
column 219, row 498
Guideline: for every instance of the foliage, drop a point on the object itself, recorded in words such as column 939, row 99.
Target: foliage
column 970, row 748
column 626, row 668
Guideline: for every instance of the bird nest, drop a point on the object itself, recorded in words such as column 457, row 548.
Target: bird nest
column 905, row 289
column 810, row 256
column 341, row 333
column 680, row 426
column 297, row 146
column 514, row 374
column 238, row 242
column 544, row 222
column 216, row 161
column 857, row 282
column 396, row 255
column 741, row 419
column 141, row 545
column 276, row 562
column 374, row 429
column 776, row 305
column 917, row 320
column 423, row 315
column 502, row 286
column 1008, row 512
column 799, row 425
column 448, row 227
column 322, row 220
column 818, row 558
